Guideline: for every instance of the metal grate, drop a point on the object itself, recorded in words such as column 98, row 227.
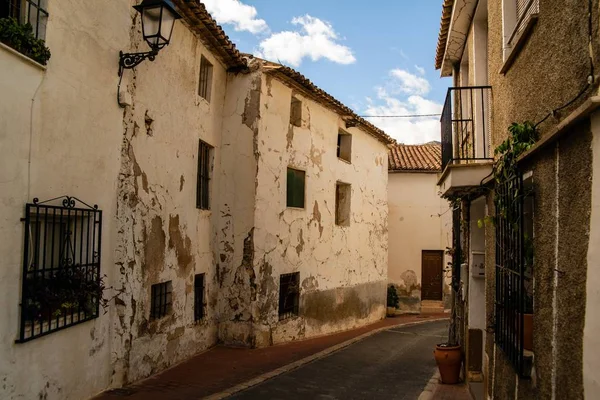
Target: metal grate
column 510, row 291
column 465, row 125
column 457, row 255
column 27, row 11
column 204, row 170
column 199, row 297
column 162, row 299
column 61, row 284
column 205, row 81
column 289, row 295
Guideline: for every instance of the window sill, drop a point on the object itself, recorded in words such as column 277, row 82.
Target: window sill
column 22, row 57
column 344, row 160
column 519, row 42
column 295, row 208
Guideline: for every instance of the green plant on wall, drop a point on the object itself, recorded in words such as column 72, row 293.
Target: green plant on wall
column 21, row 38
column 392, row 297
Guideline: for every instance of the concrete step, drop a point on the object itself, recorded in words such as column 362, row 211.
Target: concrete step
column 431, row 307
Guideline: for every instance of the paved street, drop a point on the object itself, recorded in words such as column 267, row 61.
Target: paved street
column 393, row 364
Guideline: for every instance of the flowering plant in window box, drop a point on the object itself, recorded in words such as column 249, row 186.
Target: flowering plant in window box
column 21, row 38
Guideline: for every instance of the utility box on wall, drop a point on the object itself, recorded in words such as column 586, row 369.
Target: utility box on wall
column 478, row 264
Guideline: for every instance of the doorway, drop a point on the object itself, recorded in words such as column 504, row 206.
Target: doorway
column 432, row 266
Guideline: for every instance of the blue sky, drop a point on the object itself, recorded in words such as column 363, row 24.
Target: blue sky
column 377, row 59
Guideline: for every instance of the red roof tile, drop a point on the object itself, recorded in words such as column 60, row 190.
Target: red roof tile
column 421, row 157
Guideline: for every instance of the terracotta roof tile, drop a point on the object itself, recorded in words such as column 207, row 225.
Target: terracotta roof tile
column 443, row 35
column 201, row 22
column 421, row 157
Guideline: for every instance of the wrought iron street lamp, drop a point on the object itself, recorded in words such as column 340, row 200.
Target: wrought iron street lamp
column 158, row 19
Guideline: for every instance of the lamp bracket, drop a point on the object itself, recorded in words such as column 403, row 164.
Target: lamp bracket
column 130, row 60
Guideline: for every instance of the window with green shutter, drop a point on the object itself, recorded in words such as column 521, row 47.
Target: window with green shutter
column 295, row 188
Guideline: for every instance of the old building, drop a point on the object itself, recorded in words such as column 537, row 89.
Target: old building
column 419, row 228
column 211, row 197
column 525, row 210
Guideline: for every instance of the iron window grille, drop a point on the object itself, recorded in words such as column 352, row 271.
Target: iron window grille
column 204, row 172
column 457, row 254
column 205, row 81
column 289, row 295
column 61, row 284
column 33, row 12
column 162, row 300
column 510, row 289
column 199, row 303
column 295, row 187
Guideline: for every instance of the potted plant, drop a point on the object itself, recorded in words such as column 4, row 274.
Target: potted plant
column 392, row 300
column 448, row 356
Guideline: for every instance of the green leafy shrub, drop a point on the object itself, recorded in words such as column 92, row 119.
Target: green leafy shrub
column 392, row 297
column 21, row 38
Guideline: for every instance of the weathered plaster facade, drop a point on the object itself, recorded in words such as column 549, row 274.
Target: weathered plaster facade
column 63, row 133
column 418, row 220
column 561, row 168
column 342, row 269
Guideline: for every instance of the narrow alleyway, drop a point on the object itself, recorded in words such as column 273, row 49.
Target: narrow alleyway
column 392, row 364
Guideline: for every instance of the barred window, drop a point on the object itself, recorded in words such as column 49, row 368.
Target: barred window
column 61, row 284
column 198, row 297
column 162, row 299
column 33, row 12
column 289, row 295
column 205, row 155
column 205, row 81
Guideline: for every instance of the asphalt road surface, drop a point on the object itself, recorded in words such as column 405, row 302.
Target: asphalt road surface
column 393, row 364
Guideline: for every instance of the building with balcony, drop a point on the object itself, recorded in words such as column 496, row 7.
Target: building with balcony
column 525, row 239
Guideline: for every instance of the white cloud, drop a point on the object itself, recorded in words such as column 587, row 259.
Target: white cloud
column 236, row 13
column 316, row 39
column 420, row 69
column 403, row 95
column 408, row 83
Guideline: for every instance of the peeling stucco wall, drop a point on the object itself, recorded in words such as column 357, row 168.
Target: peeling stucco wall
column 162, row 236
column 343, row 270
column 60, row 129
column 418, row 220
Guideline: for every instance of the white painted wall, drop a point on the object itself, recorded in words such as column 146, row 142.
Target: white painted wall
column 335, row 262
column 418, row 220
column 60, row 134
column 591, row 339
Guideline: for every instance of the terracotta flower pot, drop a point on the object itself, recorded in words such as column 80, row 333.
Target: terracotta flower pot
column 448, row 360
column 391, row 311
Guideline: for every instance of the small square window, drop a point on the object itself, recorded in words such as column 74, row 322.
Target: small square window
column 162, row 299
column 343, row 193
column 296, row 180
column 205, row 155
column 205, row 82
column 289, row 295
column 344, row 146
column 198, row 297
column 296, row 112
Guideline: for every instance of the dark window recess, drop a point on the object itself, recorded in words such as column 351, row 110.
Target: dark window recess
column 296, row 180
column 27, row 11
column 296, row 112
column 205, row 81
column 162, row 299
column 456, row 240
column 61, row 284
column 344, row 146
column 510, row 303
column 198, row 297
column 343, row 194
column 204, row 172
column 289, row 295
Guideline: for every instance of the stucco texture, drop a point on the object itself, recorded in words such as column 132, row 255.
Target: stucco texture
column 418, row 220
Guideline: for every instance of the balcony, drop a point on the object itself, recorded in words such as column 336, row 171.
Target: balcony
column 466, row 155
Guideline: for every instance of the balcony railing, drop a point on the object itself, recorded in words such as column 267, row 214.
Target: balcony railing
column 465, row 125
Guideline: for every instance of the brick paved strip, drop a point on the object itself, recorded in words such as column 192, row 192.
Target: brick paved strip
column 222, row 371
